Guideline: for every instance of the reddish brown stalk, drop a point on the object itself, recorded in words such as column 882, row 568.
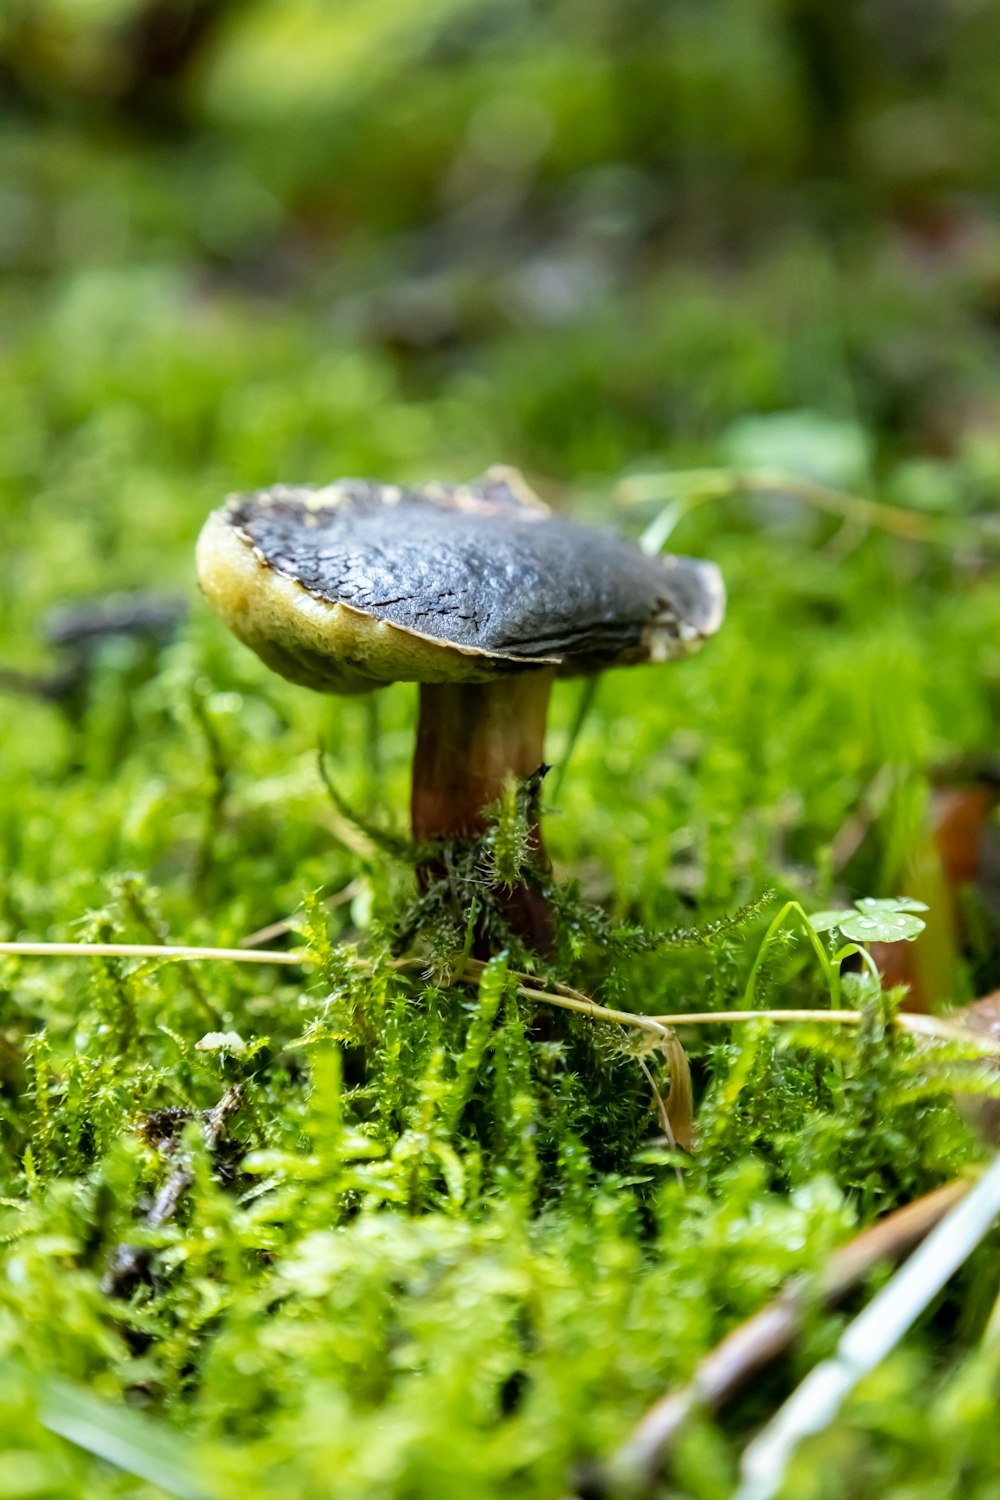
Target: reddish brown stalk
column 471, row 739
column 762, row 1339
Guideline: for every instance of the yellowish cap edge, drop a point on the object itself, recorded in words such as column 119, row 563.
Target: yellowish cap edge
column 331, row 647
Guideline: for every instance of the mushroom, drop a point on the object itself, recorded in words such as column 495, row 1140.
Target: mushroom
column 79, row 631
column 478, row 593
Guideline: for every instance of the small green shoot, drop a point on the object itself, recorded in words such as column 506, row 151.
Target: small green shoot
column 870, row 920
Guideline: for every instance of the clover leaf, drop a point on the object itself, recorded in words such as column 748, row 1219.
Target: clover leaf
column 826, row 921
column 882, row 927
column 874, row 920
column 893, row 903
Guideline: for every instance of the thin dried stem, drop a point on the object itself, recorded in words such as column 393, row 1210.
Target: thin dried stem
column 661, row 1108
column 469, row 971
column 287, row 924
column 163, row 951
column 940, row 1027
column 585, row 1007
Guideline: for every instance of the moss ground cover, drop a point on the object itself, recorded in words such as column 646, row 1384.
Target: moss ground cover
column 347, row 1229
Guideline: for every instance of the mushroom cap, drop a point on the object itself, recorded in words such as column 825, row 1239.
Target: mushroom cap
column 357, row 584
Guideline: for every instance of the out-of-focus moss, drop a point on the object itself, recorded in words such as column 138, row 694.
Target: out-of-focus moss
column 438, row 1249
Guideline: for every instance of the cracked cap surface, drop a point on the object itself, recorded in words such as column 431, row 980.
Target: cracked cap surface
column 357, row 584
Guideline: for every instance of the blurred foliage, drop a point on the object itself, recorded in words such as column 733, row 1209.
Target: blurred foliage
column 436, row 1247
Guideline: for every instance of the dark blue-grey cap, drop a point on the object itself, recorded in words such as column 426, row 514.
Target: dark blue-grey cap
column 355, row 584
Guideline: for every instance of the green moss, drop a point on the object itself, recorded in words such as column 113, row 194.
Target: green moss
column 433, row 1243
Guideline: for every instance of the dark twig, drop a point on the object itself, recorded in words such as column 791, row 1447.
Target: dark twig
column 177, row 1184
column 130, row 1263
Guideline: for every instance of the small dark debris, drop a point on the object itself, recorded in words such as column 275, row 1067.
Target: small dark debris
column 131, row 1266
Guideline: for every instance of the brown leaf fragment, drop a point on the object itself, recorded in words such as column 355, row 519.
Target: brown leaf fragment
column 680, row 1100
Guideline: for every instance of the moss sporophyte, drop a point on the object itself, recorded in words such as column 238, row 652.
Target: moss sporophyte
column 478, row 593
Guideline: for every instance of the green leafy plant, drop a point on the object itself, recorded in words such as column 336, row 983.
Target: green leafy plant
column 871, row 920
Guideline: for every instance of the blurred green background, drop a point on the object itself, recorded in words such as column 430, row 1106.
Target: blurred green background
column 244, row 241
column 581, row 233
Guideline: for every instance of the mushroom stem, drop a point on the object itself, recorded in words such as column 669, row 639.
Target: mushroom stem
column 471, row 739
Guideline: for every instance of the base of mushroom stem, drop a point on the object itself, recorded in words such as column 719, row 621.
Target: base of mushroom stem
column 522, row 908
column 472, row 738
column 527, row 913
